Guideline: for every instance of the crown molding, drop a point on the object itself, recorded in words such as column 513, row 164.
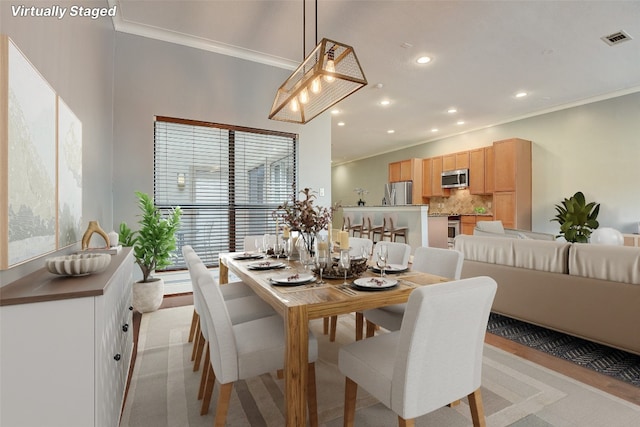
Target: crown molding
column 125, row 26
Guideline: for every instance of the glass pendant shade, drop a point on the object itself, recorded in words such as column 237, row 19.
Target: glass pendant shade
column 330, row 73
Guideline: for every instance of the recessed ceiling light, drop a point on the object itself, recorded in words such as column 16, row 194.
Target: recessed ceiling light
column 460, row 122
column 521, row 94
column 423, row 60
column 391, row 131
column 434, row 130
column 378, row 86
column 385, row 102
column 452, row 110
column 336, row 111
column 340, row 123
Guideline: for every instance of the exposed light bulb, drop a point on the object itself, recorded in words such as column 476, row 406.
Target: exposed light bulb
column 315, row 85
column 331, row 67
column 304, row 96
column 294, row 105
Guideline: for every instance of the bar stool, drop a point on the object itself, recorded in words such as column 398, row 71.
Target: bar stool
column 391, row 231
column 368, row 229
column 349, row 226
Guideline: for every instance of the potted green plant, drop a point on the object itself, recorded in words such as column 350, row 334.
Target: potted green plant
column 152, row 245
column 577, row 218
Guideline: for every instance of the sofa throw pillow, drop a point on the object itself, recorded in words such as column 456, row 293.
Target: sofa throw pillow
column 490, row 226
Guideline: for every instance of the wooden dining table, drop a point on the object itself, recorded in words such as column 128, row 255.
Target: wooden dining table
column 299, row 304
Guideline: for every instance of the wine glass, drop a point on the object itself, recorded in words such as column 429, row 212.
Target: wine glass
column 287, row 248
column 365, row 253
column 382, row 258
column 322, row 260
column 344, row 263
column 265, row 243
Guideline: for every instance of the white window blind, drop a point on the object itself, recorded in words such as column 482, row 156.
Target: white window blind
column 226, row 179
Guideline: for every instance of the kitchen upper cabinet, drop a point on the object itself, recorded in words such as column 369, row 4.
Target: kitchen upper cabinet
column 462, row 160
column 476, row 171
column 426, row 178
column 512, row 160
column 402, row 171
column 481, row 171
column 489, row 167
column 436, row 176
column 408, row 170
column 512, row 183
column 449, row 162
column 455, row 161
column 394, row 172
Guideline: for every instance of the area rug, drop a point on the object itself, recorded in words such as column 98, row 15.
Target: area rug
column 516, row 392
column 609, row 361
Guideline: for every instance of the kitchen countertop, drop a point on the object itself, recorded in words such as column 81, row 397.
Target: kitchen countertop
column 459, row 214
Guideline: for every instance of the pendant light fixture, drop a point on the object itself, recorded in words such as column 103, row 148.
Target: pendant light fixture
column 330, row 73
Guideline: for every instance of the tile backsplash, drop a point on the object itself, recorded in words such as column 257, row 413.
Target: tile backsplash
column 460, row 201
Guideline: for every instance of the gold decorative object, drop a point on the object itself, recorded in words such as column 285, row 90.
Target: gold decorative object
column 94, row 227
column 330, row 73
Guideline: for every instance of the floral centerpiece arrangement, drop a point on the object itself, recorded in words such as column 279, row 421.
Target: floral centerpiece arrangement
column 300, row 214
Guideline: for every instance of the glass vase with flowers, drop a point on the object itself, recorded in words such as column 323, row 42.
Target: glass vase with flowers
column 301, row 215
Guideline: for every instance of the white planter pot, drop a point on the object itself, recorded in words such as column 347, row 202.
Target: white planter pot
column 147, row 296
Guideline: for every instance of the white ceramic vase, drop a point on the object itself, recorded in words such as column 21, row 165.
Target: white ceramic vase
column 147, row 296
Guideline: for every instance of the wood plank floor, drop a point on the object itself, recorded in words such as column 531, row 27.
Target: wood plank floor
column 587, row 376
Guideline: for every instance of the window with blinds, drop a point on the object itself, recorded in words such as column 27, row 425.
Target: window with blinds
column 226, row 179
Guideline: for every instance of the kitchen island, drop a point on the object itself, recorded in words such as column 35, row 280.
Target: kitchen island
column 414, row 217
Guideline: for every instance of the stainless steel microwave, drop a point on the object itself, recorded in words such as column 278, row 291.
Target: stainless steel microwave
column 455, row 179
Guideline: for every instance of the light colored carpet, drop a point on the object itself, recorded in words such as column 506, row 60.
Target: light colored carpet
column 515, row 392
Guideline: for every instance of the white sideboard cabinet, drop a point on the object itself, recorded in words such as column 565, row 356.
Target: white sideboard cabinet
column 65, row 347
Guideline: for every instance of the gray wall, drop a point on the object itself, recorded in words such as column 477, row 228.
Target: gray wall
column 165, row 79
column 76, row 57
column 593, row 148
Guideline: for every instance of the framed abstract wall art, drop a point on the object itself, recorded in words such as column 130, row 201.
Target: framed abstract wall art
column 40, row 192
column 69, row 176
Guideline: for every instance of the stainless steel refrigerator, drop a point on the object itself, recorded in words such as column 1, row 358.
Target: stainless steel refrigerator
column 398, row 193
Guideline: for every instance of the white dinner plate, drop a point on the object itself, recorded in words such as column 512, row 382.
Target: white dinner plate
column 247, row 255
column 265, row 265
column 374, row 283
column 392, row 268
column 293, row 279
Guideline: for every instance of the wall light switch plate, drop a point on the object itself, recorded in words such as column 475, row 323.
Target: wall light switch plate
column 322, row 192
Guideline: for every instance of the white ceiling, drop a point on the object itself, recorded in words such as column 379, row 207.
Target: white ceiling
column 484, row 52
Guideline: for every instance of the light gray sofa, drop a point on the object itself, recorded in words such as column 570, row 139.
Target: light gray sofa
column 586, row 290
column 495, row 229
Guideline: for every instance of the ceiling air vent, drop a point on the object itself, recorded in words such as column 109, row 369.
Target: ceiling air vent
column 616, row 38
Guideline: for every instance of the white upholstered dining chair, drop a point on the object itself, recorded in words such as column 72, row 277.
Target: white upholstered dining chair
column 438, row 261
column 397, row 253
column 355, row 250
column 357, row 243
column 241, row 307
column 245, row 350
column 434, row 359
column 234, row 290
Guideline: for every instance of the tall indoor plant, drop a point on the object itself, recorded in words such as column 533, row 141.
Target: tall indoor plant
column 152, row 247
column 577, row 218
